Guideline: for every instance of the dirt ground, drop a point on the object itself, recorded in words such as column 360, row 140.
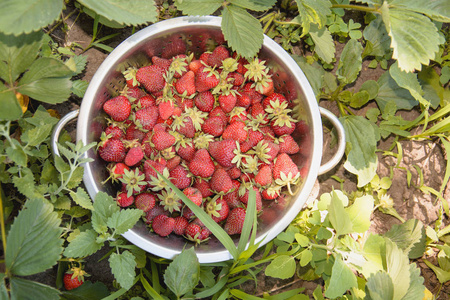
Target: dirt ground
column 410, row 202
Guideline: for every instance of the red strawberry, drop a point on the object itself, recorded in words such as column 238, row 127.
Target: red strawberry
column 264, row 176
column 204, row 101
column 186, row 128
column 134, row 156
column 244, row 198
column 146, row 101
column 166, row 108
column 285, row 171
column 238, row 114
column 235, row 221
column 173, row 162
column 180, row 225
column 218, row 112
column 266, row 150
column 237, row 78
column 147, row 117
column 162, row 140
column 202, row 164
column 227, row 101
column 206, row 79
column 179, row 177
column 243, row 100
column 149, row 171
column 270, row 101
column 223, row 152
column 151, row 78
column 213, row 126
column 134, row 133
column 221, row 182
column 161, row 62
column 272, row 192
column 234, row 172
column 186, row 151
column 219, row 54
column 123, row 200
column 288, row 145
column 203, row 186
column 218, row 209
column 72, row 280
column 254, row 137
column 236, row 131
column 163, row 225
column 232, row 198
column 194, row 194
column 195, row 65
column 284, row 124
column 186, row 84
column 252, row 93
column 145, row 201
column 196, row 233
column 204, row 56
column 118, row 108
column 116, row 171
column 112, row 150
column 115, row 132
column 175, row 45
column 133, row 93
column 155, row 211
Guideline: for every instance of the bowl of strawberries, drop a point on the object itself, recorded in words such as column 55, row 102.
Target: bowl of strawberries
column 174, row 103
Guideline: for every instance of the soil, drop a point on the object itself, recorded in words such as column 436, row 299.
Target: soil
column 410, row 201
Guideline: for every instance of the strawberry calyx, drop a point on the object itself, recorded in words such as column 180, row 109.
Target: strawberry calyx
column 169, row 200
column 134, row 180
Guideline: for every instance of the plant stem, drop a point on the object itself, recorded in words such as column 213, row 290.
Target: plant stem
column 2, row 223
column 356, row 7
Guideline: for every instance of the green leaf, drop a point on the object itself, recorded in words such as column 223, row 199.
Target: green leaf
column 27, row 185
column 183, row 273
column 409, row 82
column 323, row 41
column 338, row 216
column 79, row 87
column 123, row 220
column 282, row 266
column 416, row 290
column 256, row 5
column 414, row 37
column 81, row 198
column 47, row 80
column 360, row 212
column 313, row 11
column 410, row 237
column 242, row 31
column 18, row 53
column 361, row 146
column 123, row 268
column 306, row 257
column 22, row 289
column 83, row 245
column 342, row 279
column 124, row 12
column 23, row 16
column 390, row 91
column 377, row 35
column 87, row 291
column 350, row 63
column 17, row 155
column 432, row 88
column 9, row 106
column 198, row 7
column 314, row 73
column 442, row 275
column 397, row 263
column 371, row 87
column 438, row 10
column 379, row 287
column 359, row 99
column 104, row 207
column 37, row 135
column 34, row 242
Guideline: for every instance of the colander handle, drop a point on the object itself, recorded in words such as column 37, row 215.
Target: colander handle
column 59, row 126
column 330, row 164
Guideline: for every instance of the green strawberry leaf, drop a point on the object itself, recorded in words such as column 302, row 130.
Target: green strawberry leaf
column 283, row 267
column 342, row 279
column 123, row 220
column 442, row 275
column 410, row 237
column 397, row 263
column 104, row 208
column 409, row 82
column 359, row 213
column 242, row 31
column 323, row 41
column 34, row 242
column 338, row 216
column 256, row 5
column 416, row 290
column 389, row 91
column 377, row 35
column 81, row 198
column 313, row 11
column 183, row 273
column 362, row 144
column 379, row 286
column 87, row 291
column 9, row 106
column 438, row 10
column 23, row 16
column 350, row 63
column 198, row 7
column 414, row 37
column 23, row 289
column 375, row 253
column 123, row 267
column 83, row 245
column 124, row 12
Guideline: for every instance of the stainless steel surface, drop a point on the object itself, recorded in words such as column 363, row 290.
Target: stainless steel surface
column 59, row 126
column 136, row 50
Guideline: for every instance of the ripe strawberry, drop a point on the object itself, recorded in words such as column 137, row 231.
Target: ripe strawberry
column 116, row 171
column 179, row 177
column 218, row 112
column 151, row 78
column 145, row 201
column 185, row 126
column 288, row 145
column 243, row 100
column 270, row 101
column 161, row 62
column 114, row 131
column 195, row 65
column 254, row 137
column 155, row 211
column 180, row 225
column 162, row 140
column 266, row 150
column 166, row 108
column 112, row 150
column 123, row 200
column 133, row 93
column 252, row 93
column 196, row 233
column 146, row 101
column 282, row 125
column 244, row 197
column 221, row 182
column 264, row 176
column 134, row 133
column 227, row 101
column 238, row 114
column 236, row 131
column 134, row 156
column 213, row 126
column 133, row 182
column 163, row 225
column 218, row 209
column 203, row 186
column 149, row 171
column 173, row 162
column 219, row 54
column 272, row 192
column 72, row 280
column 234, row 172
column 206, row 79
column 147, row 117
column 232, row 198
column 236, row 78
column 186, row 84
column 204, row 56
column 194, row 194
column 235, row 221
column 202, row 164
column 223, row 152
column 118, row 108
column 186, row 150
column 285, row 171
column 204, row 101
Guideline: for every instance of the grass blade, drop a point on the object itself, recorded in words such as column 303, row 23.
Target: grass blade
column 250, row 216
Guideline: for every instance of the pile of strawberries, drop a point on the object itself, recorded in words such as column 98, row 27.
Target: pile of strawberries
column 214, row 126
